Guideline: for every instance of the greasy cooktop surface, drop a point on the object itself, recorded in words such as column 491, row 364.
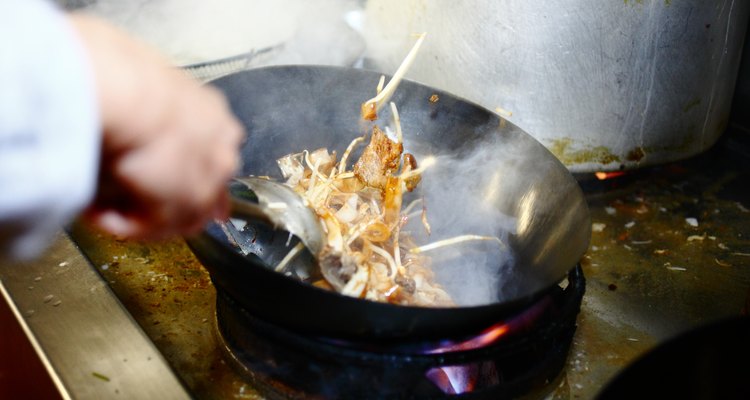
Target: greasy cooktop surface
column 668, row 253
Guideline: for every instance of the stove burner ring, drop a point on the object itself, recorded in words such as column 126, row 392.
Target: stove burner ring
column 284, row 364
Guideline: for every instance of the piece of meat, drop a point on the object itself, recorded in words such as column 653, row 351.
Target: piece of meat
column 379, row 159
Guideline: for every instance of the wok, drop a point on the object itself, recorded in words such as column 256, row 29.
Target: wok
column 515, row 188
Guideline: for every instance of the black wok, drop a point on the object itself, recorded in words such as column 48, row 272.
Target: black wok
column 287, row 109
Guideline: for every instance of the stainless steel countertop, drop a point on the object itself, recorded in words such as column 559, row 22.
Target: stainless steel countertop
column 89, row 344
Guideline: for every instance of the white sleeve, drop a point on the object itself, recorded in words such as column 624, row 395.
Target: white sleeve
column 49, row 126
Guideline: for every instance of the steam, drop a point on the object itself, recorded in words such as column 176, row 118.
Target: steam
column 461, row 193
column 462, row 196
column 283, row 31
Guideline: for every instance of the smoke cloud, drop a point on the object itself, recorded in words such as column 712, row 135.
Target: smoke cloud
column 462, row 196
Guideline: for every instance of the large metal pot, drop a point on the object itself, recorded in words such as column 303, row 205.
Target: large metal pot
column 604, row 85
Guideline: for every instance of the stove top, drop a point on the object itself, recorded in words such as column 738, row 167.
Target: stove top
column 669, row 253
column 521, row 352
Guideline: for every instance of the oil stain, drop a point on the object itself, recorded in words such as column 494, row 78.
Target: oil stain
column 636, row 154
column 595, row 154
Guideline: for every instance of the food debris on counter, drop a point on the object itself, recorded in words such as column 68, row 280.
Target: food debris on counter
column 674, row 268
column 721, row 263
column 103, row 377
column 692, row 221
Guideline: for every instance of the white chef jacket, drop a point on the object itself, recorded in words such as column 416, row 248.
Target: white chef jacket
column 49, row 126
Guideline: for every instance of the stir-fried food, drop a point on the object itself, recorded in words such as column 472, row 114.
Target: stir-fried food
column 361, row 207
column 366, row 254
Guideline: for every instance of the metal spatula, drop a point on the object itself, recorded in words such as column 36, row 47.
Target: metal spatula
column 279, row 206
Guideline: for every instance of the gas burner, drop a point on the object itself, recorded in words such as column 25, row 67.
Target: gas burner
column 518, row 354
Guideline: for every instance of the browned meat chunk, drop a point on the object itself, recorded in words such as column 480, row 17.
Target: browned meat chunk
column 379, row 159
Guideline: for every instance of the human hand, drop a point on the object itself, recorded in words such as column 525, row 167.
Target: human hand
column 170, row 144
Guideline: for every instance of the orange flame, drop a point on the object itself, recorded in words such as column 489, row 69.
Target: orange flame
column 608, row 175
column 488, row 336
column 456, row 379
